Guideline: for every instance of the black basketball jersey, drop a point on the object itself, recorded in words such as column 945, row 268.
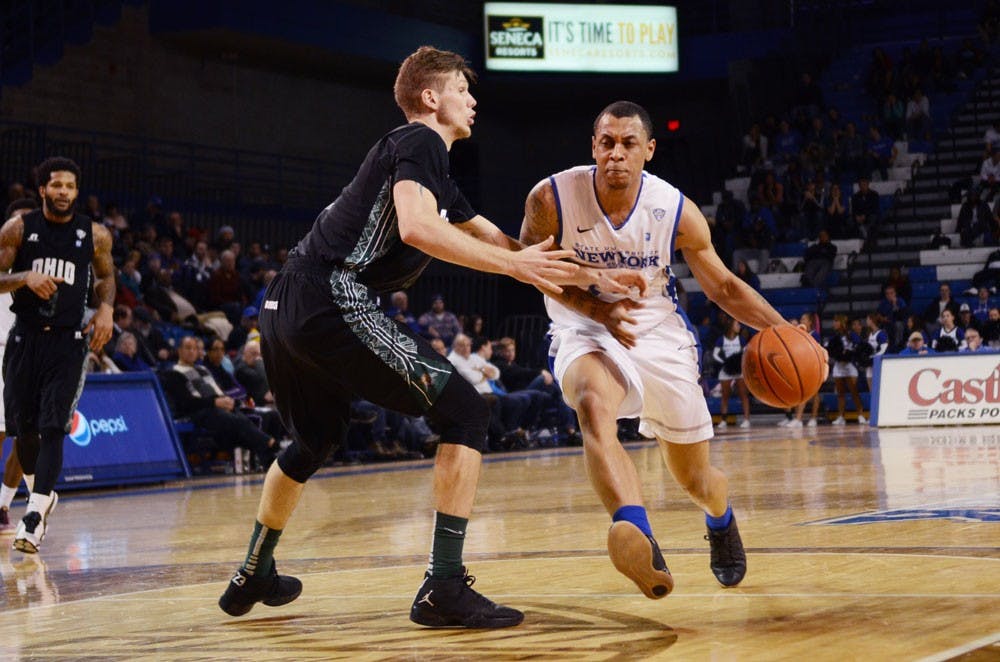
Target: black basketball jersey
column 359, row 231
column 65, row 250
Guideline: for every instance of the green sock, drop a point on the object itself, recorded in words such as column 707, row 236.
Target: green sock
column 446, row 551
column 260, row 555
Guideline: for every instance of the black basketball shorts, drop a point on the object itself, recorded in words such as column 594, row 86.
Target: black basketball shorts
column 44, row 374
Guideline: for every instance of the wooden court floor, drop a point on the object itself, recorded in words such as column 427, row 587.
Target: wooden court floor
column 862, row 545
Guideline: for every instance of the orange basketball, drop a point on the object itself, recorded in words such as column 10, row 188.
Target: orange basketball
column 783, row 366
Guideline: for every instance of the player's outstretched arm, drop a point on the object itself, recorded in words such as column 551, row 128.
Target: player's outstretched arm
column 421, row 227
column 719, row 283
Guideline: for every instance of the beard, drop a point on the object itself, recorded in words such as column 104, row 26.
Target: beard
column 50, row 207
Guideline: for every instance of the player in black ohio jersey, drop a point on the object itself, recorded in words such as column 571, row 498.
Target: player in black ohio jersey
column 46, row 260
column 325, row 340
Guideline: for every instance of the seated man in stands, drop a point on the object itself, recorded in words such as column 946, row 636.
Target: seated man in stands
column 932, row 313
column 974, row 218
column 194, row 394
column 989, row 175
column 439, row 323
column 251, row 375
column 895, row 310
column 819, row 261
column 881, row 153
column 864, row 209
column 988, row 276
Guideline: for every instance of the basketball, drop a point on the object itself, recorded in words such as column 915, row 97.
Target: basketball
column 783, row 366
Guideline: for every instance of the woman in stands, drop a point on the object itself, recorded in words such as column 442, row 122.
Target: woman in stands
column 878, row 340
column 845, row 374
column 747, row 275
column 729, row 353
column 950, row 336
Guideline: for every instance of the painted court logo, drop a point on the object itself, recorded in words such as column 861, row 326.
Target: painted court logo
column 79, row 431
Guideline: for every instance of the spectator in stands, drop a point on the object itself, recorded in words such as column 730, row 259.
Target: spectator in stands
column 988, row 276
column 224, row 239
column 169, row 304
column 439, row 346
column 966, row 320
column 989, row 174
column 845, row 374
column 932, row 313
column 916, row 345
column 822, row 138
column 881, row 153
column 918, row 116
column 974, row 218
column 195, row 274
column 949, row 336
column 506, row 412
column 127, row 356
column 174, row 230
column 819, row 259
column 438, row 322
column 812, row 210
column 835, row 214
column 771, row 193
column 516, row 378
column 222, row 370
column 894, row 310
column 99, row 362
column 399, row 310
column 981, row 310
column 754, row 149
column 728, row 354
column 864, row 209
column 250, row 373
column 990, row 330
column 992, row 139
column 973, row 342
column 745, row 273
column 193, row 393
column 151, row 216
column 246, row 331
column 113, row 219
column 756, row 235
column 892, row 114
column 851, row 152
column 787, row 144
column 900, row 281
column 151, row 341
column 226, row 290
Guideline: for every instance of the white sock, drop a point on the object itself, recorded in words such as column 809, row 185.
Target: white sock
column 38, row 503
column 29, row 480
column 6, row 495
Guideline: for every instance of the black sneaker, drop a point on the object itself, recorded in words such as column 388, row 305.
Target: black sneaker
column 451, row 603
column 729, row 561
column 638, row 557
column 272, row 589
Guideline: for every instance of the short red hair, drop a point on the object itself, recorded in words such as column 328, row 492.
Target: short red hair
column 425, row 69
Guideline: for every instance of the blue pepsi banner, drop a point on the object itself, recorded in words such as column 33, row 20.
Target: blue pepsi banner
column 121, row 433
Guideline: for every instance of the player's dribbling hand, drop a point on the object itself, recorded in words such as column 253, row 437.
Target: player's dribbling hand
column 614, row 316
column 540, row 266
column 822, row 351
column 42, row 285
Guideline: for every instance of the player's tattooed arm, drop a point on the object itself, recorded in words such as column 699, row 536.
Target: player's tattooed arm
column 102, row 323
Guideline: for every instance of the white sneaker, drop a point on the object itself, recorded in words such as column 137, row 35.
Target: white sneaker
column 795, row 424
column 31, row 528
column 784, row 423
column 862, row 420
column 812, row 423
column 839, row 421
column 722, row 425
column 745, row 423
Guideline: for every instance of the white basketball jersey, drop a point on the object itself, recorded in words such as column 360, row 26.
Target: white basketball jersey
column 644, row 241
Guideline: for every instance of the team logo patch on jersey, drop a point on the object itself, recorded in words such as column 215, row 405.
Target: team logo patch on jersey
column 659, row 214
column 80, row 234
column 33, row 237
column 963, row 510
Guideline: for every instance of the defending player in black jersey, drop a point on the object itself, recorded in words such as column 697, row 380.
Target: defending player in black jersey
column 325, row 340
column 45, row 258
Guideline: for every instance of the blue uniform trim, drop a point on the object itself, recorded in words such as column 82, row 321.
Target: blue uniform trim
column 694, row 335
column 593, row 172
column 677, row 218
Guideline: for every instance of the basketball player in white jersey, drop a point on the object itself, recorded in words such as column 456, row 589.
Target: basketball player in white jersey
column 627, row 357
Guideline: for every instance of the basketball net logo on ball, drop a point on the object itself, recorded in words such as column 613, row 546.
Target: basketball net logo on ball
column 783, row 366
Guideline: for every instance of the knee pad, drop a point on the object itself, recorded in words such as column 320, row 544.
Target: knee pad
column 461, row 413
column 299, row 462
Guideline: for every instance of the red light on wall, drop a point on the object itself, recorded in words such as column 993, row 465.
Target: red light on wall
column 673, row 125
